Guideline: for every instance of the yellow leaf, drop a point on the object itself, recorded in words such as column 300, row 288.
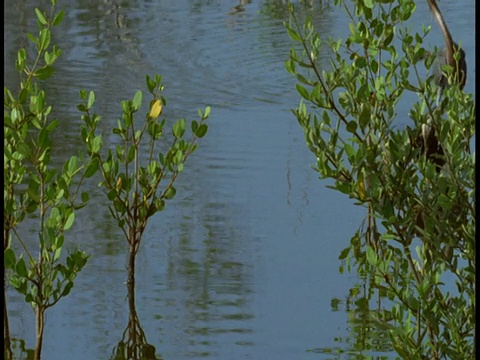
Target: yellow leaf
column 361, row 187
column 155, row 109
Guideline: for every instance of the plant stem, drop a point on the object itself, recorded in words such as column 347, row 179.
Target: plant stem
column 40, row 323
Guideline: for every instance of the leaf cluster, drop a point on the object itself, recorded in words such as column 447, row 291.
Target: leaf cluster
column 419, row 198
column 34, row 188
column 138, row 177
column 32, row 185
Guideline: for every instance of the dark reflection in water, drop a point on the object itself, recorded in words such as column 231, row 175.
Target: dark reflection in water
column 216, row 285
column 133, row 344
column 243, row 262
column 366, row 338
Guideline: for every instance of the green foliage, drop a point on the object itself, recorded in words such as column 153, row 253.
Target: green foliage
column 34, row 187
column 138, row 178
column 420, row 226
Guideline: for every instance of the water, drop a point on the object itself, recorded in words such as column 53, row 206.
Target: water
column 243, row 262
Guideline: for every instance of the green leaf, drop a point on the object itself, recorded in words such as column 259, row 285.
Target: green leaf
column 445, row 202
column 57, row 254
column 43, row 138
column 41, row 17
column 59, row 240
column 112, row 195
column 92, row 168
column 52, row 126
column 170, row 193
column 353, row 29
column 44, row 40
column 22, row 96
column 21, row 268
column 194, row 125
column 350, row 151
column 371, row 256
column 207, row 112
column 69, row 222
column 343, row 187
column 360, row 62
column 132, row 151
column 304, row 80
column 352, row 126
column 137, row 100
column 72, row 165
column 67, row 289
column 44, row 72
column 85, row 196
column 294, row 35
column 364, row 117
column 179, row 128
column 91, row 99
column 201, row 131
column 344, row 253
column 290, row 66
column 32, row 38
column 9, row 258
column 58, row 18
column 21, row 61
column 30, row 299
column 302, row 91
column 96, row 145
column 150, row 84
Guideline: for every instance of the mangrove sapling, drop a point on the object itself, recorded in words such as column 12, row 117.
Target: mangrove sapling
column 420, row 221
column 34, row 188
column 137, row 178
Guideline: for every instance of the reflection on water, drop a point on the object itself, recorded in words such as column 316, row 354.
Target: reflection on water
column 367, row 337
column 243, row 262
column 133, row 344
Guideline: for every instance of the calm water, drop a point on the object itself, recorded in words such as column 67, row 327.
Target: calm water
column 243, row 262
